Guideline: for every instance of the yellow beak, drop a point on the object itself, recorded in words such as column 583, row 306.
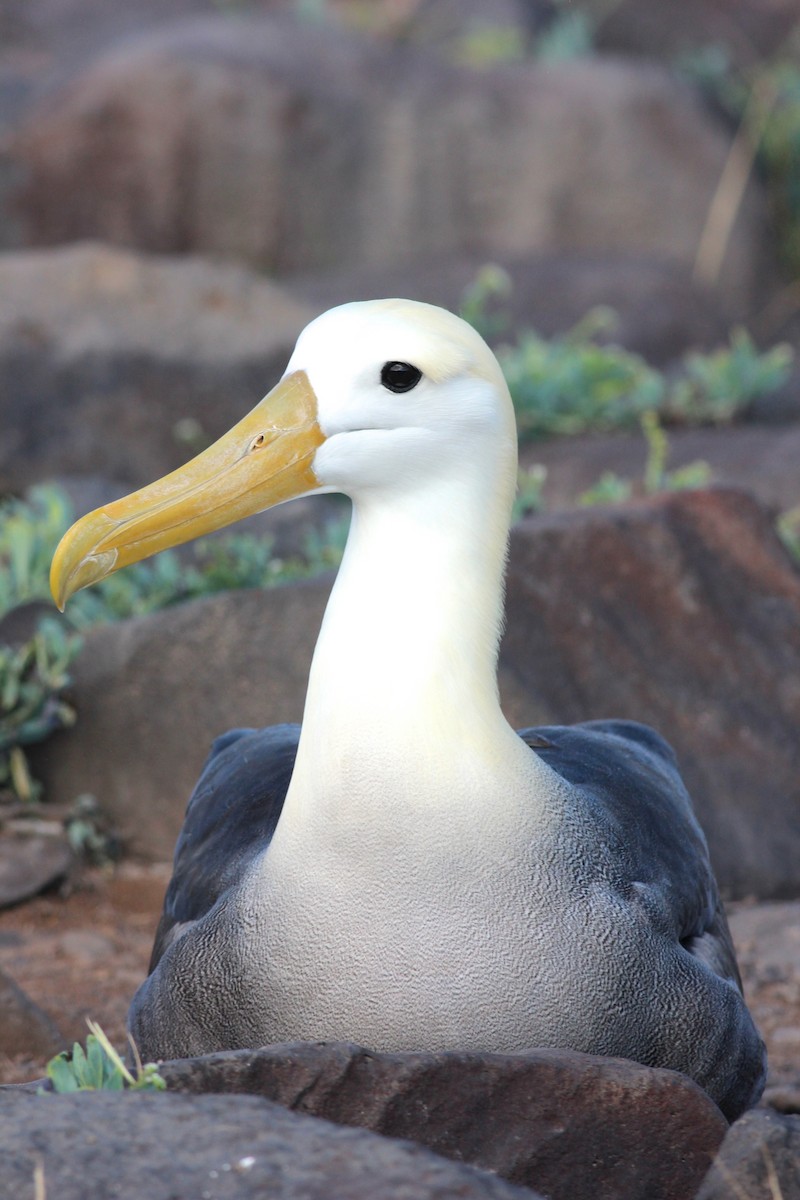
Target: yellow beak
column 266, row 458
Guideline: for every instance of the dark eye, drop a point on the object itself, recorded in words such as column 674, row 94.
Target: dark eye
column 400, row 376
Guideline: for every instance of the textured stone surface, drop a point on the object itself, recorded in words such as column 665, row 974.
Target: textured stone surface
column 297, row 146
column 683, row 612
column 125, row 1145
column 30, row 863
column 103, row 352
column 759, row 1160
column 24, row 1028
column 567, row 1124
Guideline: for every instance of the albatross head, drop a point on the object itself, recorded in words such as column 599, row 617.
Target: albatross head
column 383, row 397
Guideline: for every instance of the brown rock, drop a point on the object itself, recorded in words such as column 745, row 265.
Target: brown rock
column 103, row 352
column 25, row 1029
column 760, row 1157
column 123, row 1145
column 682, row 612
column 31, row 863
column 567, row 1124
column 299, row 146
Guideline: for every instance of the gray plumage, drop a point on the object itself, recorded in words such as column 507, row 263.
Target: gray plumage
column 633, row 957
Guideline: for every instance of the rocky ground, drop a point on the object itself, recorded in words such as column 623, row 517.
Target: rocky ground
column 82, row 954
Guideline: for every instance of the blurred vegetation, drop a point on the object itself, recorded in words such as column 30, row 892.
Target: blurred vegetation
column 35, row 674
column 764, row 100
column 612, row 488
column 576, row 383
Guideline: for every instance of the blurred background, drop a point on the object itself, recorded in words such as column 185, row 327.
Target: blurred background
column 608, row 189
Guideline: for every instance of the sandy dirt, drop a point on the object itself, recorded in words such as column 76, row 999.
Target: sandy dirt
column 83, row 955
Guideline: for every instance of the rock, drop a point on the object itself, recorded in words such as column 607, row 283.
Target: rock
column 44, row 43
column 302, row 146
column 749, row 30
column 25, row 1029
column 103, row 353
column 759, row 1157
column 759, row 458
column 153, row 693
column 112, row 1145
column 783, row 1098
column 661, row 312
column 684, row 612
column 567, row 1124
column 29, row 863
column 19, row 624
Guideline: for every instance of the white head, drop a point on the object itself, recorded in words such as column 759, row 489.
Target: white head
column 406, row 394
column 380, row 398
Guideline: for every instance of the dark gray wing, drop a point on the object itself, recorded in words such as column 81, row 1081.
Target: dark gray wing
column 629, row 775
column 231, row 817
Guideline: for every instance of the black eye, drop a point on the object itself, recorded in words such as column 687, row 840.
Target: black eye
column 400, row 376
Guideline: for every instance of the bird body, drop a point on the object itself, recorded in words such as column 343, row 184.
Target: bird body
column 407, row 871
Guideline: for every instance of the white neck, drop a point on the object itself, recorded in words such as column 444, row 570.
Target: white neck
column 402, row 714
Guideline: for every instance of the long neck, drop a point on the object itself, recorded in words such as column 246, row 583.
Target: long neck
column 402, row 715
column 408, row 646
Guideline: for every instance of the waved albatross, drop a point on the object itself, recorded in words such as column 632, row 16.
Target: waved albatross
column 406, row 871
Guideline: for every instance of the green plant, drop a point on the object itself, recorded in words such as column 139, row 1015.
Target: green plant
column 716, row 387
column 88, row 832
column 530, row 491
column 570, row 384
column 29, row 533
column 484, row 299
column 99, row 1068
column 611, row 488
column 32, row 679
column 570, row 34
column 208, row 566
column 573, row 384
column 33, row 676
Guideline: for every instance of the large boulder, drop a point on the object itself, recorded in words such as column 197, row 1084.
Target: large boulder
column 683, row 611
column 103, row 353
column 298, row 146
column 30, row 863
column 570, row 1125
column 121, row 1146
